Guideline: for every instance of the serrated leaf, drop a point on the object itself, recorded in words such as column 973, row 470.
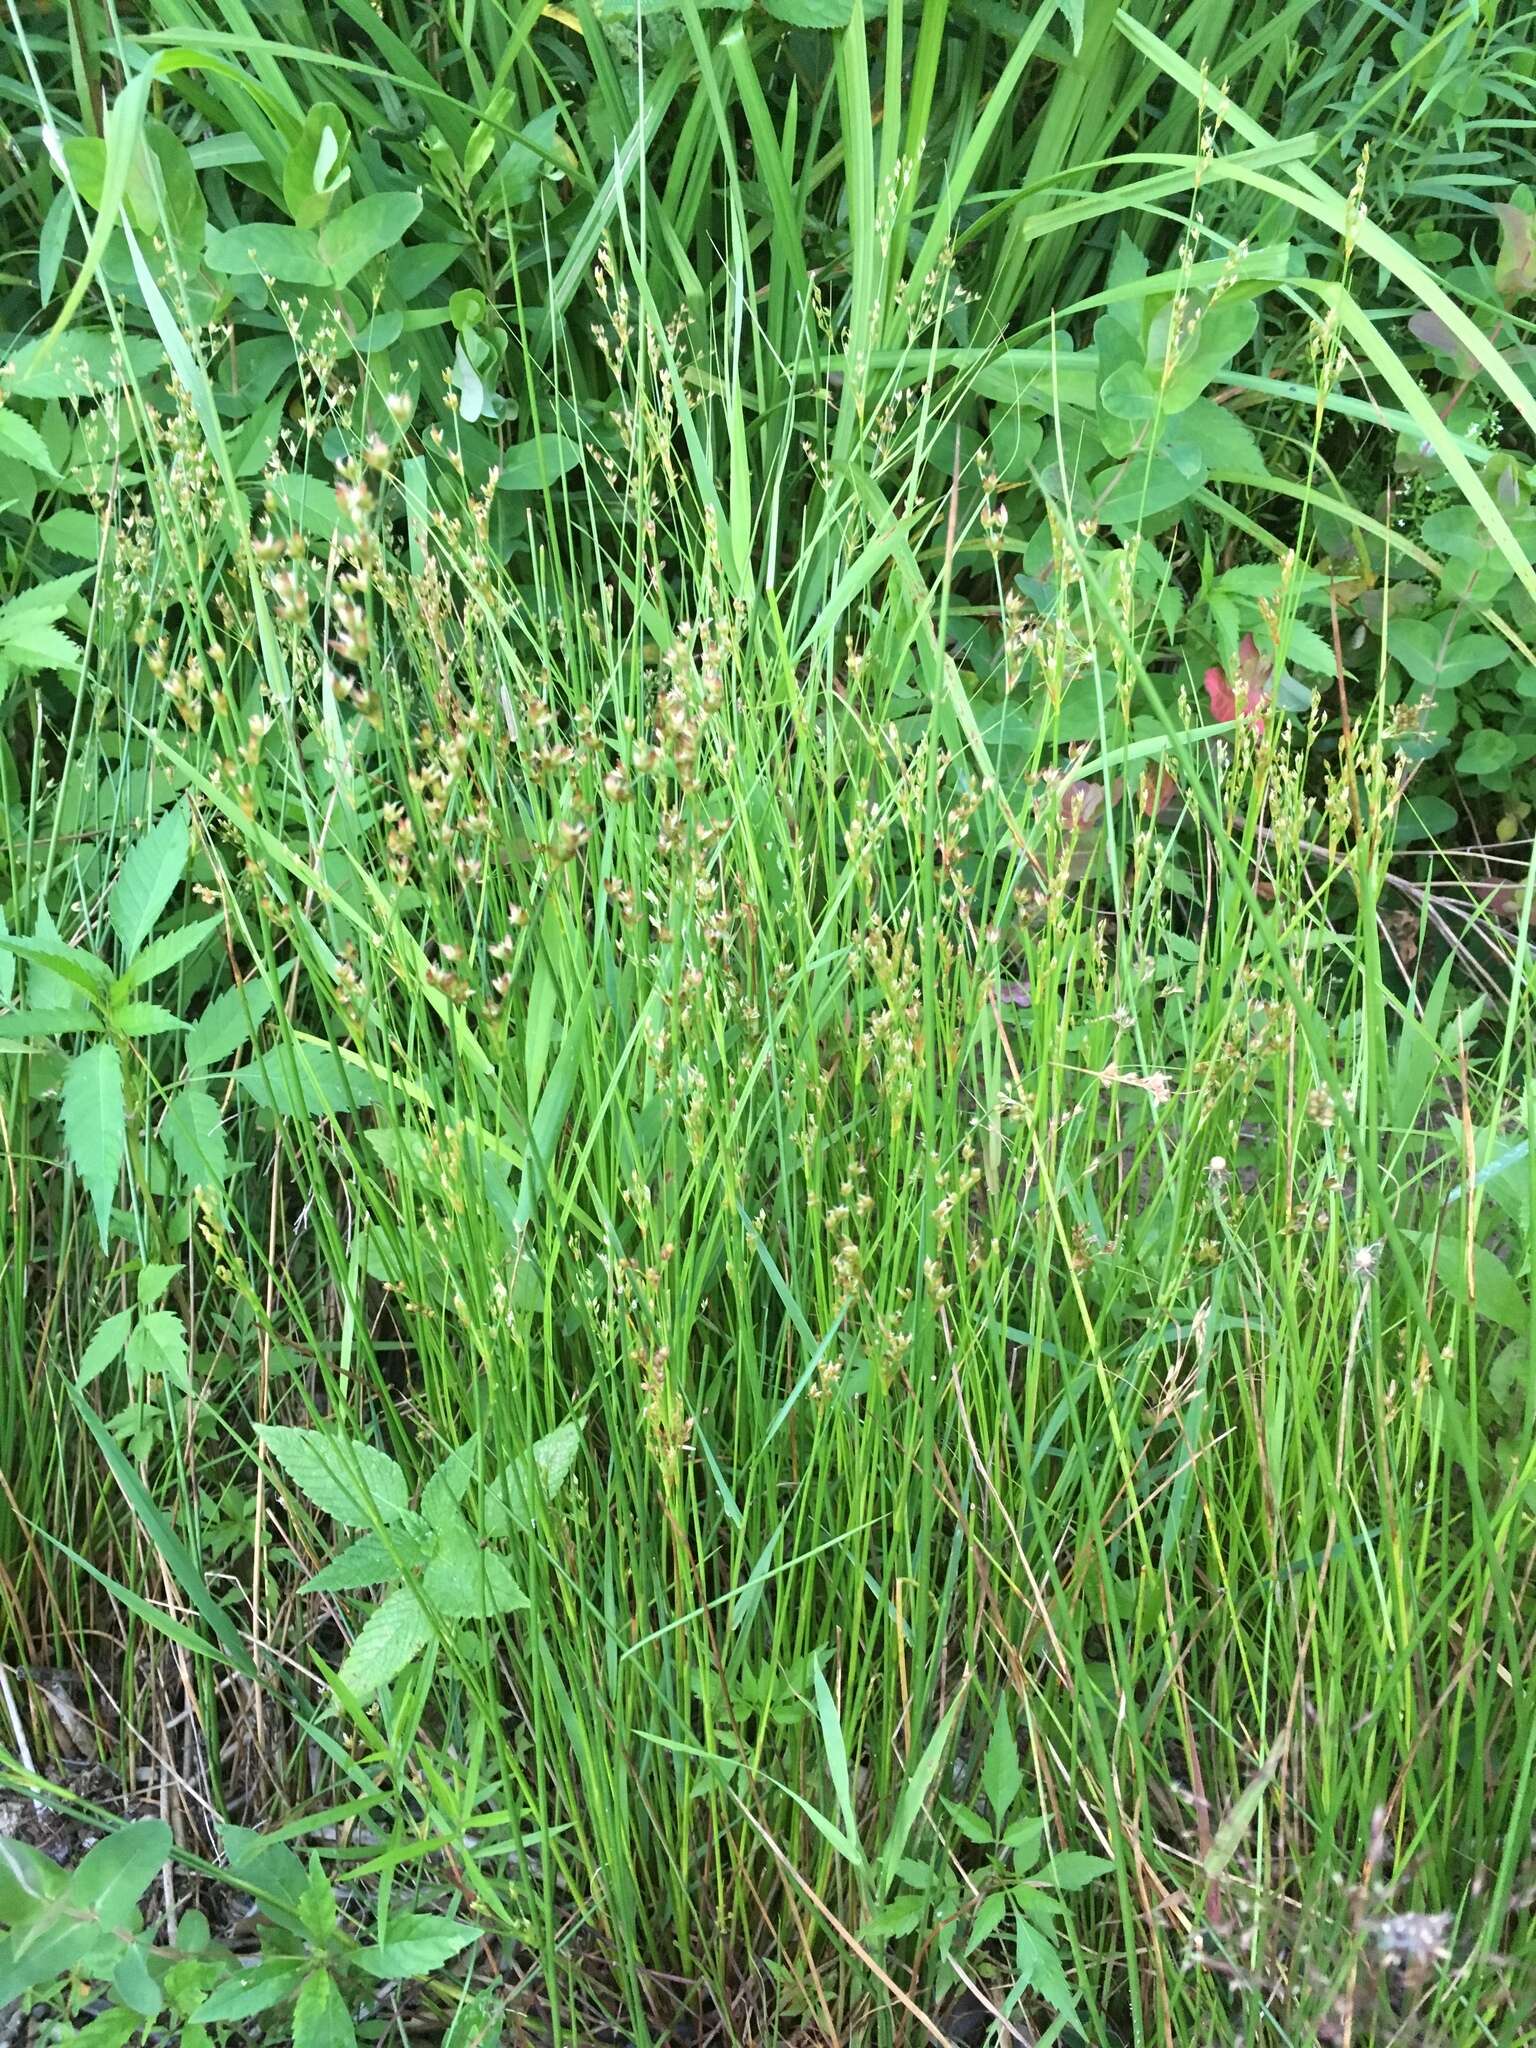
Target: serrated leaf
column 467, row 1582
column 507, row 1503
column 970, row 1823
column 150, row 872
column 32, row 644
column 144, row 1020
column 95, row 1135
column 1001, row 1776
column 158, row 1348
column 1071, row 1870
column 266, row 1865
column 414, row 1945
column 193, row 1127
column 104, row 1347
column 47, row 953
column 825, row 14
column 989, row 1917
column 227, row 1023
column 73, row 532
column 24, row 442
column 1039, row 1968
column 320, row 2015
column 30, row 1023
column 153, row 1281
column 306, row 1080
column 368, row 1561
column 349, row 1481
column 902, row 1915
column 251, row 1991
column 395, row 1632
column 168, row 951
column 450, row 1482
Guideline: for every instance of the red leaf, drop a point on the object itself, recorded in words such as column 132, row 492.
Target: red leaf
column 1246, row 696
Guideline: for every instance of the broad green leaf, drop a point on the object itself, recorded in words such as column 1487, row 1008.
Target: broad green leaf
column 396, row 1632
column 970, row 1823
column 827, row 14
column 1001, row 1777
column 7, row 962
column 251, row 1990
column 902, row 1915
column 150, row 872
column 105, row 1347
column 450, row 1482
column 525, row 160
column 320, row 2015
column 193, row 1127
column 533, row 464
column 1210, row 439
column 24, row 442
column 316, row 169
column 268, row 1866
column 30, row 644
column 133, row 1984
column 21, row 1025
column 507, row 1503
column 467, row 1582
column 144, row 1020
column 1489, row 1290
column 1146, row 488
column 287, row 255
column 168, row 951
column 1439, row 654
column 414, row 1945
column 28, row 1879
column 158, row 1348
column 71, row 964
column 1071, row 1870
column 989, row 1917
column 352, row 239
column 1039, row 1967
column 306, row 1080
column 369, row 1561
column 73, row 532
column 153, row 1280
column 317, row 1906
column 1487, row 753
column 113, row 1876
column 227, row 1023
column 94, row 1132
column 349, row 1481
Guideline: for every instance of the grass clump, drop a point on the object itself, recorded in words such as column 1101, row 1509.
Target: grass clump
column 769, row 1183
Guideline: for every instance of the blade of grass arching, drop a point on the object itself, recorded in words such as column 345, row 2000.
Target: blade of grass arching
column 633, row 151
column 1070, row 127
column 961, row 175
column 186, row 1570
column 916, row 114
column 1314, row 1033
column 862, row 201
column 1316, row 197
